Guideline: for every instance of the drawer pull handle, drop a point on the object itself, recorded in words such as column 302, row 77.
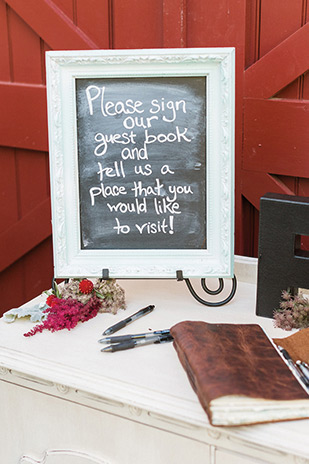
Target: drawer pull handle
column 173, row 421
column 99, row 399
column 33, row 379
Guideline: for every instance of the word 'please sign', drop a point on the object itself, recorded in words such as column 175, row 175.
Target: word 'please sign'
column 142, row 162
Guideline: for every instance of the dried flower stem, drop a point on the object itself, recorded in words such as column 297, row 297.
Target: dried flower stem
column 65, row 314
column 293, row 312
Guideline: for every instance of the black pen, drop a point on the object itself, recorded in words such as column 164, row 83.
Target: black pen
column 304, row 368
column 128, row 320
column 134, row 343
column 298, row 374
column 124, row 338
column 305, row 364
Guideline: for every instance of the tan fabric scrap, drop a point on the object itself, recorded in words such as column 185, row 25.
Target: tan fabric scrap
column 297, row 345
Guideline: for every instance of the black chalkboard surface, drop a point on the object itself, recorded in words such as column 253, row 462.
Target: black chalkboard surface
column 142, row 162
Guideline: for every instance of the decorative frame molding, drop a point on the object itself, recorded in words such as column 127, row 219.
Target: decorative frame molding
column 63, row 67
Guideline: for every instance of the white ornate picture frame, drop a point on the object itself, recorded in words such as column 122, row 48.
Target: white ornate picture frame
column 71, row 258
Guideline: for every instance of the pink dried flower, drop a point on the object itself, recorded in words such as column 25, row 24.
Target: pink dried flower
column 285, row 295
column 293, row 312
column 66, row 313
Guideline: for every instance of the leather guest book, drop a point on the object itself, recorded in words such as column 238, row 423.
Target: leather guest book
column 237, row 374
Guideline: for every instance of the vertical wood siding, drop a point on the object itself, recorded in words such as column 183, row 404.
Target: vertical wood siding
column 272, row 94
column 275, row 155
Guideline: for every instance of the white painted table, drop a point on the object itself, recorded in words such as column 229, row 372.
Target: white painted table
column 65, row 402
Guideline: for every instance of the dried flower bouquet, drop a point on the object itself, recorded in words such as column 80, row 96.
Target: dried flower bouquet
column 78, row 301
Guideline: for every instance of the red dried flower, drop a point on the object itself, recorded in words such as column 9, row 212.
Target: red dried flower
column 85, row 286
column 49, row 300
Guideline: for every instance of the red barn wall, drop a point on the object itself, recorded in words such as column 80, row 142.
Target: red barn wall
column 272, row 103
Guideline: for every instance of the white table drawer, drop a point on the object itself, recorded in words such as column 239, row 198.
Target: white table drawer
column 41, row 426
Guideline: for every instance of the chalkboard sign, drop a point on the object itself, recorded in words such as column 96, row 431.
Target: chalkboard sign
column 141, row 157
column 142, row 162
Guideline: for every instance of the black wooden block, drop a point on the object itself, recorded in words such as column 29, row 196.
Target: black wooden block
column 282, row 265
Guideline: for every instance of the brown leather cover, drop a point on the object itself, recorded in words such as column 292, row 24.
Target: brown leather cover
column 233, row 359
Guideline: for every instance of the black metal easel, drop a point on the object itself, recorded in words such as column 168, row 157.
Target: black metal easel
column 180, row 278
column 210, row 292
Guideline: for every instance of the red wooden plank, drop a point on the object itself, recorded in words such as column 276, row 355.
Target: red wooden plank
column 291, row 91
column 174, row 23
column 51, row 24
column 27, row 277
column 25, row 234
column 276, row 136
column 8, row 189
column 33, row 179
column 93, row 18
column 44, row 48
column 250, row 228
column 303, row 187
column 12, row 287
column 305, row 77
column 68, row 7
column 4, row 44
column 279, row 19
column 38, row 269
column 26, row 51
column 252, row 32
column 279, row 67
column 288, row 19
column 290, row 182
column 137, row 24
column 256, row 184
column 23, row 116
column 305, row 89
column 216, row 24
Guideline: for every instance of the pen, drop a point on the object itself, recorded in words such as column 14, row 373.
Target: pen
column 134, row 343
column 304, row 368
column 128, row 320
column 123, row 338
column 298, row 374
